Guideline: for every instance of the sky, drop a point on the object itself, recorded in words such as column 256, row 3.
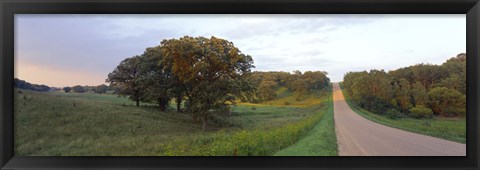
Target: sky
column 67, row 50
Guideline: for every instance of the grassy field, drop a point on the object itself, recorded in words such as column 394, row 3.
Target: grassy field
column 73, row 124
column 446, row 128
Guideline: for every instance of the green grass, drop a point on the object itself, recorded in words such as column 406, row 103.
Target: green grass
column 71, row 124
column 109, row 98
column 320, row 141
column 449, row 129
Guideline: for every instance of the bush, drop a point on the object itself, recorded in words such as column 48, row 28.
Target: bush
column 78, row 89
column 375, row 105
column 421, row 112
column 394, row 114
column 447, row 102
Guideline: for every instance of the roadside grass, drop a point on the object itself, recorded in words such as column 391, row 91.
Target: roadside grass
column 71, row 124
column 255, row 142
column 320, row 141
column 449, row 129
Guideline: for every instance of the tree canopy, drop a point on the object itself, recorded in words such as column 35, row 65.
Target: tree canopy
column 126, row 78
column 210, row 73
column 22, row 84
column 297, row 82
column 413, row 90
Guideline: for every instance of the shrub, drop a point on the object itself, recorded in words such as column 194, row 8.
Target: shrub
column 78, row 89
column 394, row 114
column 421, row 112
column 375, row 105
column 447, row 102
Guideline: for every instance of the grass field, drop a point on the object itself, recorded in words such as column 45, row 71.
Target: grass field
column 449, row 129
column 73, row 124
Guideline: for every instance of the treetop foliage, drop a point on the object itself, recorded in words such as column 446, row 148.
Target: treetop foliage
column 22, row 84
column 209, row 73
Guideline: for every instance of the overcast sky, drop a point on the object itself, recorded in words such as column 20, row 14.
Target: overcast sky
column 67, row 50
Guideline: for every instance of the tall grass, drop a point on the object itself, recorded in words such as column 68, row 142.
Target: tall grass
column 55, row 124
column 256, row 142
column 320, row 141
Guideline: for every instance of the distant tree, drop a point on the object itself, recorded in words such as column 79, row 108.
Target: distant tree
column 356, row 84
column 125, row 78
column 89, row 88
column 281, row 78
column 447, row 102
column 402, row 94
column 380, row 85
column 291, row 78
column 41, row 88
column 371, row 90
column 67, row 89
column 266, row 90
column 300, row 88
column 100, row 89
column 316, row 80
column 419, row 94
column 455, row 70
column 427, row 74
column 22, row 84
column 78, row 89
column 410, row 87
column 454, row 81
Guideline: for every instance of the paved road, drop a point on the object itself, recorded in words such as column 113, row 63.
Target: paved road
column 357, row 136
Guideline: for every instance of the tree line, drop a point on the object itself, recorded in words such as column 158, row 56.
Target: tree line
column 419, row 91
column 206, row 74
column 22, row 84
column 100, row 89
column 299, row 83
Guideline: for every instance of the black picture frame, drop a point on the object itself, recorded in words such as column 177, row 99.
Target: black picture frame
column 8, row 8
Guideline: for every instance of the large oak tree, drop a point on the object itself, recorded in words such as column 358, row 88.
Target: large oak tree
column 214, row 69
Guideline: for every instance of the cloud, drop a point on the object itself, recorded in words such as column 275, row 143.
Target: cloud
column 81, row 42
column 287, row 42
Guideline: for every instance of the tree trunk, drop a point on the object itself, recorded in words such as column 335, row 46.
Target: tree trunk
column 138, row 103
column 162, row 106
column 179, row 104
column 194, row 116
column 204, row 127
